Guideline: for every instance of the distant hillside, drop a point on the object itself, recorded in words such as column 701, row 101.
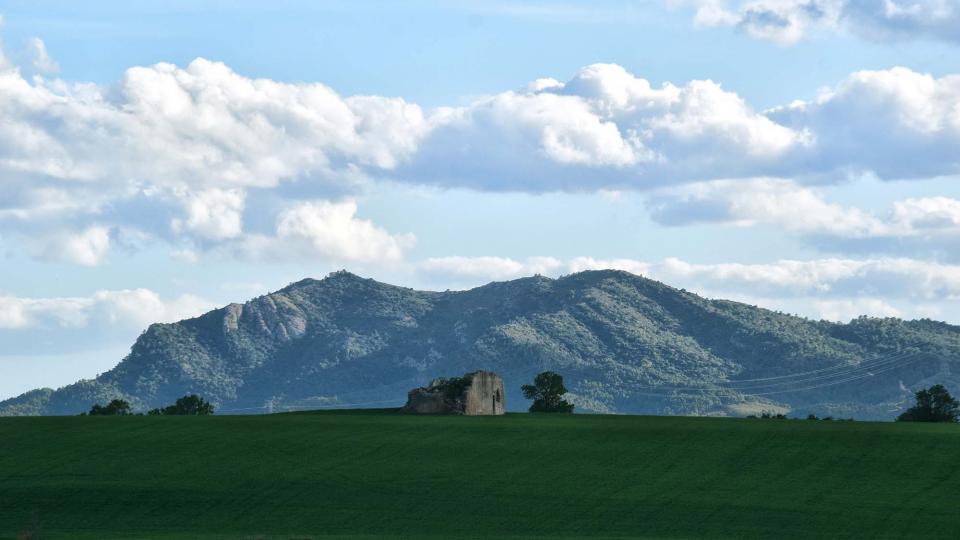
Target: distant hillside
column 624, row 343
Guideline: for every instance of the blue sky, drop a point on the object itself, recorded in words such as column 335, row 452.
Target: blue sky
column 161, row 159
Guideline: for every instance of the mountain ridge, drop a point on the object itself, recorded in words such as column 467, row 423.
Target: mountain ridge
column 623, row 342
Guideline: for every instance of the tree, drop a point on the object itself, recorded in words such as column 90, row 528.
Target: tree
column 547, row 393
column 117, row 407
column 934, row 404
column 192, row 405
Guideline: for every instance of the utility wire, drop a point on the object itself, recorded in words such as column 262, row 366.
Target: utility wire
column 864, row 367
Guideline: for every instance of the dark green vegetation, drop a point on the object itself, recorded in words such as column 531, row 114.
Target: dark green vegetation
column 192, row 405
column 934, row 404
column 382, row 473
column 622, row 342
column 547, row 393
column 116, row 407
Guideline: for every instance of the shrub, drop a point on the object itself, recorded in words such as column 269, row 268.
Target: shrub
column 117, row 407
column 192, row 405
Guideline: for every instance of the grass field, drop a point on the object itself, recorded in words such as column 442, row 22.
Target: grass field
column 381, row 474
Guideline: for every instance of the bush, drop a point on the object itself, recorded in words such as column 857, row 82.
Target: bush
column 117, row 407
column 192, row 405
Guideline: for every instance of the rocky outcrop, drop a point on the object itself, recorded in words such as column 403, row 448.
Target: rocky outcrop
column 477, row 393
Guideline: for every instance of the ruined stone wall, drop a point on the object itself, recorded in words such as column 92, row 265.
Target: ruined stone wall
column 484, row 395
column 422, row 401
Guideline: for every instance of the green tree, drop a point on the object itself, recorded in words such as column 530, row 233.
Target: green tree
column 117, row 407
column 547, row 393
column 192, row 405
column 934, row 404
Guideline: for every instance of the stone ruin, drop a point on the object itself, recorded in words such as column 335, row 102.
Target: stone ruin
column 477, row 393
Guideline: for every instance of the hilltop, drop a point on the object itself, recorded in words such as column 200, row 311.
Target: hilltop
column 624, row 344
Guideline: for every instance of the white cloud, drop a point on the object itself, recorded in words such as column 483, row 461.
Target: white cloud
column 195, row 138
column 488, row 268
column 467, row 270
column 215, row 214
column 788, row 21
column 845, row 310
column 608, row 129
column 324, row 229
column 891, row 277
column 579, row 264
column 896, row 123
column 42, row 62
column 603, row 128
column 200, row 128
column 142, row 307
column 86, row 248
column 928, row 215
column 135, row 308
column 762, row 201
column 836, row 289
column 175, row 152
column 915, row 223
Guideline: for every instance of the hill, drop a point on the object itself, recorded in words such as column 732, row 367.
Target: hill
column 381, row 474
column 624, row 343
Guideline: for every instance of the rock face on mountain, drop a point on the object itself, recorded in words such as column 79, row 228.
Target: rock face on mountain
column 623, row 343
column 475, row 394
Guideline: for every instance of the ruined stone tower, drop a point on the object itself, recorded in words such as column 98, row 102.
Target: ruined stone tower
column 477, row 393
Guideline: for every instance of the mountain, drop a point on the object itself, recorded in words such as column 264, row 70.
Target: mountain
column 623, row 343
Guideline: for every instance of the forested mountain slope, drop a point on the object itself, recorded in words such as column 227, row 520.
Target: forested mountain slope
column 623, row 343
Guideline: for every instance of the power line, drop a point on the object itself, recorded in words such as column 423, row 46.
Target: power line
column 864, row 367
column 705, row 390
column 802, row 373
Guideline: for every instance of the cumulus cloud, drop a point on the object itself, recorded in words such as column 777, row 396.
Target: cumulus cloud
column 330, row 230
column 214, row 214
column 191, row 140
column 896, row 123
column 788, row 21
column 890, row 277
column 832, row 288
column 608, row 129
column 199, row 126
column 929, row 214
column 914, row 224
column 603, row 128
column 178, row 152
column 762, row 201
column 488, row 268
column 85, row 248
column 129, row 308
column 473, row 269
column 844, row 310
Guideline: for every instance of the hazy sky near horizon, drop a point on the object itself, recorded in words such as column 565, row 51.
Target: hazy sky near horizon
column 161, row 159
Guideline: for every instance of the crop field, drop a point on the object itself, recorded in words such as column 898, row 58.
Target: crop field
column 373, row 474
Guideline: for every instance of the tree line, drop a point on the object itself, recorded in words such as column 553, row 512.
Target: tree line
column 190, row 405
column 934, row 404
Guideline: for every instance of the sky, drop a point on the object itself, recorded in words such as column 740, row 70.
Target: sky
column 160, row 159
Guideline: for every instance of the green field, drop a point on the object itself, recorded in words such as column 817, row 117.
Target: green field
column 381, row 474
